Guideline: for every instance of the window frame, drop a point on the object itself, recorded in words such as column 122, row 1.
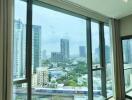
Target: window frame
column 125, row 38
column 28, row 78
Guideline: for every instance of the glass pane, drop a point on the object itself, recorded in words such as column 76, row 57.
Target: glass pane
column 127, row 55
column 20, row 92
column 108, row 61
column 96, row 61
column 59, row 59
column 95, row 45
column 19, row 41
column 97, row 91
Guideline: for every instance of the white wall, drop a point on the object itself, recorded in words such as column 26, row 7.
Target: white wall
column 70, row 6
column 126, row 26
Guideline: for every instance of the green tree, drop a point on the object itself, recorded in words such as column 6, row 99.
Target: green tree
column 45, row 62
column 70, row 83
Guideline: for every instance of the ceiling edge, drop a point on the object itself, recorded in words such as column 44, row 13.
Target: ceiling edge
column 73, row 7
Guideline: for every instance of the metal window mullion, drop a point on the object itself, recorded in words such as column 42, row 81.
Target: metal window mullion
column 102, row 59
column 128, row 97
column 29, row 48
column 20, row 81
column 96, row 69
column 89, row 60
column 5, row 46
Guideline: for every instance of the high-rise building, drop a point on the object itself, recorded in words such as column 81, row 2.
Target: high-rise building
column 44, row 56
column 36, row 47
column 56, row 57
column 82, row 51
column 126, row 46
column 42, row 76
column 64, row 44
column 19, row 49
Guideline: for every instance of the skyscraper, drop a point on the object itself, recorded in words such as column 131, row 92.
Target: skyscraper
column 43, row 56
column 19, row 49
column 82, row 51
column 64, row 44
column 36, row 47
column 127, row 46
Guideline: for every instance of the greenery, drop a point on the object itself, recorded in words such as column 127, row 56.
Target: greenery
column 71, row 78
column 70, row 83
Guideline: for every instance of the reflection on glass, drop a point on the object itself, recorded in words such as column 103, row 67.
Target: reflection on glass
column 59, row 59
column 19, row 40
column 20, row 92
column 95, row 45
column 127, row 56
column 108, row 61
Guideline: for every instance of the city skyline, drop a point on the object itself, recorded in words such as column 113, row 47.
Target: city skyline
column 63, row 43
column 53, row 31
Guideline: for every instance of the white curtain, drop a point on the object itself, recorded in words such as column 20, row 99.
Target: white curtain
column 6, row 30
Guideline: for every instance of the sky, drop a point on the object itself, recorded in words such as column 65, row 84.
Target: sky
column 56, row 25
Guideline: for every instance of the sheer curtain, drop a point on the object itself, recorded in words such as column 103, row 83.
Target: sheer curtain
column 6, row 24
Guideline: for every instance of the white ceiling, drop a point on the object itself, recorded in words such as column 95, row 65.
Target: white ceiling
column 110, row 8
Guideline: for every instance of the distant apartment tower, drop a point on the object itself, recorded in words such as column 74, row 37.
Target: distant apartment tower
column 34, row 80
column 43, row 56
column 42, row 76
column 82, row 51
column 56, row 57
column 127, row 54
column 36, row 47
column 19, row 49
column 64, row 44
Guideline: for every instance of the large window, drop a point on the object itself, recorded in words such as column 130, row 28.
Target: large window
column 95, row 44
column 19, row 53
column 109, row 74
column 19, row 40
column 127, row 56
column 96, row 60
column 59, row 56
